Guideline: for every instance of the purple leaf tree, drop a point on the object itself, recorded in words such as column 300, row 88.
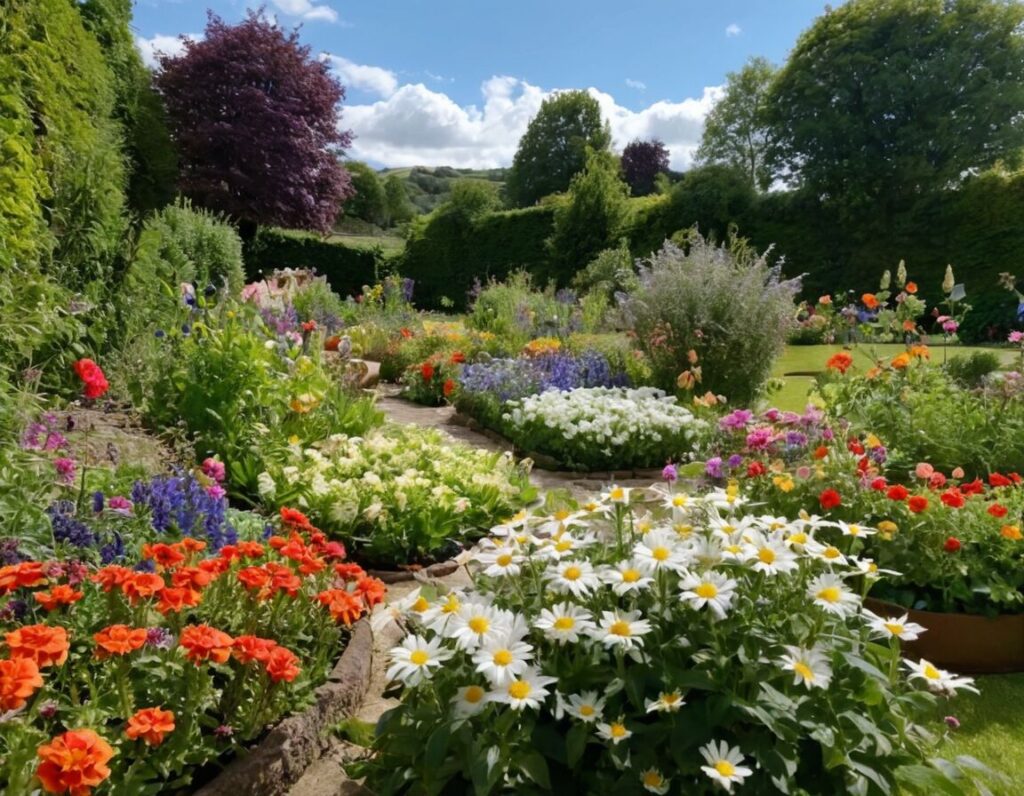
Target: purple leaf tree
column 642, row 161
column 256, row 122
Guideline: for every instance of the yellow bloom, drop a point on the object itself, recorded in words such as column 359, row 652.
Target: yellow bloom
column 784, row 482
column 887, row 529
column 1011, row 532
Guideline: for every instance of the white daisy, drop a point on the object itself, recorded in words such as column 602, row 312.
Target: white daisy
column 617, row 494
column 627, row 576
column 770, row 556
column 830, row 593
column 469, row 701
column 436, row 617
column 503, row 659
column 526, row 691
column 659, row 550
column 724, row 764
column 706, row 551
column 414, row 660
column 575, row 577
column 939, row 680
column 828, row 553
column 894, row 627
column 856, row 531
column 623, row 629
column 500, row 562
column 654, row 781
column 614, row 731
column 476, row 624
column 563, row 545
column 713, row 589
column 667, row 702
column 564, row 623
column 586, row 707
column 810, row 667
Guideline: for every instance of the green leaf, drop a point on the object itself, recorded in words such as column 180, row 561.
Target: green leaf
column 926, row 780
column 536, row 768
column 437, row 747
column 575, row 744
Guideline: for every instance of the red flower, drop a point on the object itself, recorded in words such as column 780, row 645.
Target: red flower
column 998, row 479
column 294, row 518
column 177, row 599
column 755, row 469
column 427, row 371
column 282, row 665
column 951, row 545
column 406, row 333
column 997, row 510
column 855, row 447
column 449, row 387
column 247, row 649
column 917, row 503
column 142, row 585
column 349, row 571
column 841, row 362
column 975, row 487
column 74, row 763
column 820, row 452
column 151, row 725
column 830, row 499
column 879, row 484
column 309, row 326
column 953, row 498
column 93, row 380
column 457, row 358
column 897, row 492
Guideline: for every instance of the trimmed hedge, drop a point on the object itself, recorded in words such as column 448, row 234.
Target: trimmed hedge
column 347, row 269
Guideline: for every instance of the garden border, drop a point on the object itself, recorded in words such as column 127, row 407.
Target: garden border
column 278, row 761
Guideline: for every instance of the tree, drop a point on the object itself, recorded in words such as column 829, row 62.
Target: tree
column 642, row 162
column 396, row 196
column 737, row 132
column 367, row 201
column 712, row 198
column 554, row 148
column 883, row 101
column 255, row 119
column 470, row 199
column 591, row 216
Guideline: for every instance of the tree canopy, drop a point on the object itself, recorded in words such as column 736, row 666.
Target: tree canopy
column 368, row 201
column 736, row 131
column 642, row 162
column 554, row 147
column 255, row 119
column 884, row 100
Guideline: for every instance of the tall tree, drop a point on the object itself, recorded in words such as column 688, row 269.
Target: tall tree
column 367, row 201
column 554, row 147
column 400, row 209
column 737, row 131
column 885, row 100
column 642, row 162
column 255, row 119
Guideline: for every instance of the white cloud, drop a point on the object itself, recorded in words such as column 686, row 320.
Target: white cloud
column 733, row 30
column 639, row 85
column 306, row 10
column 367, row 78
column 417, row 126
column 166, row 45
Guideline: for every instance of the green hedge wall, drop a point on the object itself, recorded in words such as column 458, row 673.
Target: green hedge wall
column 347, row 269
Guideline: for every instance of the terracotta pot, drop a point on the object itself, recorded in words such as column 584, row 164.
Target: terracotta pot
column 963, row 643
column 332, row 343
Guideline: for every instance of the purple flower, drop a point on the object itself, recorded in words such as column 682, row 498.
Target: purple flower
column 952, row 722
column 878, row 454
column 737, row 420
column 796, row 439
column 734, row 461
column 159, row 637
column 670, row 473
column 950, row 326
column 97, row 502
column 68, row 528
column 713, row 468
column 760, row 438
column 216, row 491
column 48, row 710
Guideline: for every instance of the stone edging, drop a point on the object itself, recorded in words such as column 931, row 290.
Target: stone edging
column 438, row 570
column 280, row 759
column 547, row 462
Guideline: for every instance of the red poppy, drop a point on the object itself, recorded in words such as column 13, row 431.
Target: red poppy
column 449, row 387
column 953, row 498
column 997, row 510
column 897, row 492
column 427, row 371
column 951, row 545
column 917, row 503
column 829, row 499
column 94, row 383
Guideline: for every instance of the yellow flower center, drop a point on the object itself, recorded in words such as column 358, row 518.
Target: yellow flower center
column 563, row 544
column 660, row 554
column 803, row 670
column 630, row 576
column 620, row 628
column 479, row 624
column 419, row 657
column 831, row 553
column 670, row 699
column 682, row 529
column 653, row 779
column 931, row 672
column 725, row 768
column 565, row 623
column 854, row 530
column 572, row 573
column 561, row 515
column 617, row 494
column 587, row 710
column 895, row 628
column 473, row 694
column 798, row 538
column 679, row 501
column 830, row 594
column 520, row 689
column 504, row 560
column 451, row 606
column 766, row 555
column 420, row 605
column 733, row 548
column 617, row 730
column 502, row 658
column 706, row 590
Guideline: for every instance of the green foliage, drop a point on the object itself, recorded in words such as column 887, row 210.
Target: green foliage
column 347, row 269
column 590, row 219
column 56, row 76
column 369, row 201
column 970, row 370
column 726, row 305
column 883, row 100
column 737, row 132
column 399, row 208
column 712, row 198
column 610, row 271
column 554, row 148
column 470, row 199
column 429, row 188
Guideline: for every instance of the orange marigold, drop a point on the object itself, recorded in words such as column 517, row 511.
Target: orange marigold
column 119, row 640
column 373, row 590
column 112, row 576
column 75, row 763
column 900, row 361
column 23, row 575
column 151, row 725
column 142, row 585
column 58, row 596
column 247, row 649
column 19, row 679
column 282, row 665
column 193, row 578
column 205, row 643
column 345, row 606
column 177, row 599
column 45, row 645
column 165, row 555
column 840, row 361
column 870, row 301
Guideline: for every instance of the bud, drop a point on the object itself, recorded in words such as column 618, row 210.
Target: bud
column 948, row 281
column 901, row 274
column 886, row 279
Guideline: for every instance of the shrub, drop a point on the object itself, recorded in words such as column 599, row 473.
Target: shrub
column 970, row 370
column 610, row 272
column 724, row 304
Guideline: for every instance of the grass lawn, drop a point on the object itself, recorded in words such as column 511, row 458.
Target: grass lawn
column 391, row 244
column 799, row 363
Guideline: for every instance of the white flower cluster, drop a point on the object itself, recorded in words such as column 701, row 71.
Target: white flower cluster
column 630, row 576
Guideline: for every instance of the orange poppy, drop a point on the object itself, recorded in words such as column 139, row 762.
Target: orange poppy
column 191, row 545
column 177, row 599
column 192, row 578
column 282, row 665
column 205, row 643
column 165, row 555
column 294, row 517
column 119, row 640
column 58, row 596
column 349, row 571
column 251, row 549
column 151, row 725
column 373, row 590
column 283, row 579
column 247, row 649
column 870, row 301
column 254, row 578
column 840, row 361
column 19, row 679
column 112, row 576
column 900, row 361
column 911, row 287
column 142, row 585
column 75, row 763
column 345, row 606
column 41, row 643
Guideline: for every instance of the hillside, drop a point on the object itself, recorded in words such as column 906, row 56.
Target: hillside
column 430, row 187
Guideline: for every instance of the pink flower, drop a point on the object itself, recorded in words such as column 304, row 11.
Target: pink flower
column 950, row 326
column 1016, row 337
column 120, row 504
column 216, row 491
column 958, row 473
column 212, row 468
column 924, row 470
column 65, row 470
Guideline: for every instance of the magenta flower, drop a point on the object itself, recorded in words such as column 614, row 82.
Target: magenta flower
column 119, row 504
column 737, row 420
column 1016, row 337
column 212, row 468
column 670, row 474
column 65, row 470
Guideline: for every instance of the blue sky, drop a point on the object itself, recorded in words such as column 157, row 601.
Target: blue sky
column 454, row 82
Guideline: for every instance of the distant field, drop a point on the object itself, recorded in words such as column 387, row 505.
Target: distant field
column 391, row 244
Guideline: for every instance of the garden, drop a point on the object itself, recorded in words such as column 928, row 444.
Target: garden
column 670, row 522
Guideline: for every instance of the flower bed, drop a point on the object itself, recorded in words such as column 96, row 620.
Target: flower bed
column 141, row 671
column 655, row 642
column 603, row 429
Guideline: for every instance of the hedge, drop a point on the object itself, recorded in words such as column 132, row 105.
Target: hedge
column 347, row 269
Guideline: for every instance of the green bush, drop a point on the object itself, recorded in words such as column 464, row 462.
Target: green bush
column 720, row 313
column 347, row 269
column 970, row 370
